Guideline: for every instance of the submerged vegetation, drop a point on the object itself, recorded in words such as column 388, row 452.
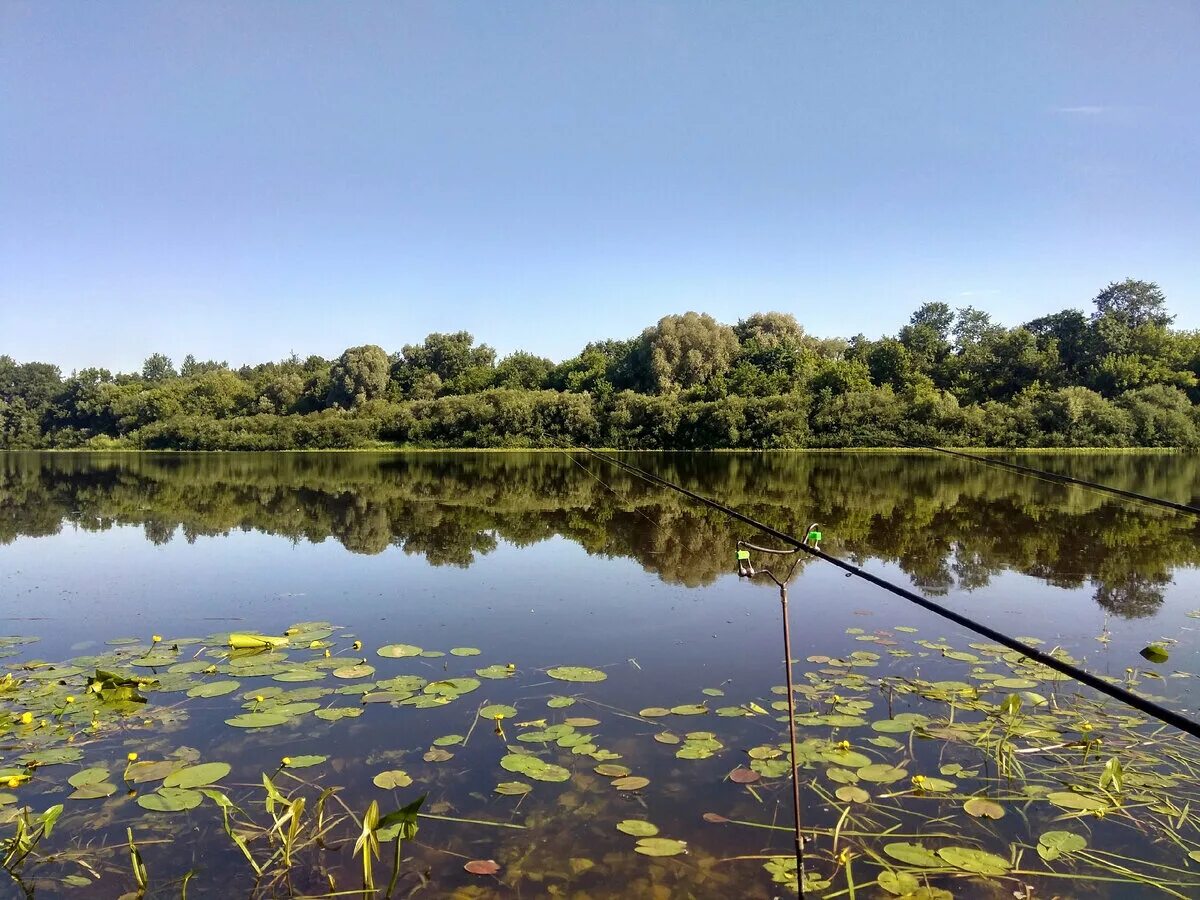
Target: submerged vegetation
column 989, row 776
column 1120, row 377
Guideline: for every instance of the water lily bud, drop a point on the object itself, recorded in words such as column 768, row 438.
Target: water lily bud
column 70, row 698
column 358, row 645
column 287, row 761
column 26, row 718
column 132, row 757
column 156, row 638
column 14, row 782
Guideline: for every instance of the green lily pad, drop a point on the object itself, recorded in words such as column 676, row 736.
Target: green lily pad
column 295, row 675
column 1072, row 800
column 141, row 772
column 393, row 778
column 256, row 720
column 214, row 688
column 448, row 740
column 630, row 783
column 496, row 672
column 361, row 670
column 1053, row 844
column 464, row 651
column 333, row 713
column 913, row 854
column 970, row 860
column 497, row 711
column 304, row 762
column 610, row 770
column 637, row 828
column 88, row 776
column 167, row 799
column 534, row 767
column 576, row 673
column 850, row 793
column 689, row 709
column 97, row 790
column 1155, row 653
column 513, row 788
column 982, row 808
column 657, row 846
column 560, row 702
column 653, row 712
column 881, row 773
column 399, row 651
column 197, row 776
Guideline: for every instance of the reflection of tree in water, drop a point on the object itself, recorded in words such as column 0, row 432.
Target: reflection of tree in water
column 948, row 523
column 1134, row 596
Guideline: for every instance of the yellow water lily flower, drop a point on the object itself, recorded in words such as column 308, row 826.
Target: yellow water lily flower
column 287, row 761
column 26, row 718
column 156, row 638
column 70, row 698
column 132, row 757
column 357, row 645
column 14, row 782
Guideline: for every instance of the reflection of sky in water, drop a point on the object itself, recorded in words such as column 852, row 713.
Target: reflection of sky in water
column 541, row 604
column 545, row 600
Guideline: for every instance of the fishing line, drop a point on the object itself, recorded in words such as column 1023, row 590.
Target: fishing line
column 610, row 488
column 1067, row 479
column 1154, row 710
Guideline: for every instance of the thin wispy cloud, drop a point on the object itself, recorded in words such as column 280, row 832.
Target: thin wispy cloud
column 1082, row 110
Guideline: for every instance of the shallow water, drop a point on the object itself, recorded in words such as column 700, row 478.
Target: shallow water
column 545, row 560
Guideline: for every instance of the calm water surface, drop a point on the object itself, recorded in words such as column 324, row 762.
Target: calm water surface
column 546, row 560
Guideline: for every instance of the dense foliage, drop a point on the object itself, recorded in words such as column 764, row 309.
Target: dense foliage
column 1119, row 377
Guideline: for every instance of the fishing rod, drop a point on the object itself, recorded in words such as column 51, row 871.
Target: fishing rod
column 1154, row 710
column 1066, row 479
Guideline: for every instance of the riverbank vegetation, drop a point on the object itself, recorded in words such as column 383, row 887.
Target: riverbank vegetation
column 1121, row 376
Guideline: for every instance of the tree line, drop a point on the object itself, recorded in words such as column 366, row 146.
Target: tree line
column 947, row 523
column 1119, row 376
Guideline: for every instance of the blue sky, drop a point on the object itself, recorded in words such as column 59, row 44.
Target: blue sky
column 241, row 180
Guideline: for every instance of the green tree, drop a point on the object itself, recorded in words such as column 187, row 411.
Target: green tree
column 158, row 367
column 685, row 351
column 1133, row 303
column 360, row 374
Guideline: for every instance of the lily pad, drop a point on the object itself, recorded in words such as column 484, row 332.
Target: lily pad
column 304, row 762
column 88, row 776
column 1072, row 800
column 168, row 799
column 534, row 767
column 611, row 770
column 1053, row 844
column 399, row 651
column 513, row 788
column 197, row 776
column 630, row 783
column 256, row 720
column 497, row 711
column 393, row 778
column 214, row 688
column 465, row 651
column 1155, row 653
column 576, row 673
column 913, row 854
column 657, row 846
column 361, row 670
column 482, row 867
column 983, row 808
column 971, row 860
column 850, row 793
column 637, row 828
